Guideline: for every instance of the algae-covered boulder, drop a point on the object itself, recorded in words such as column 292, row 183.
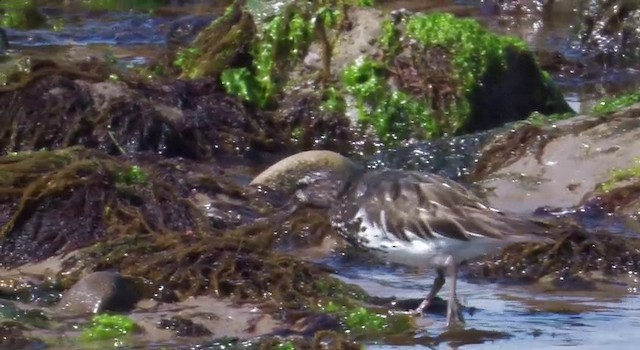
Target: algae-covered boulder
column 440, row 75
column 396, row 77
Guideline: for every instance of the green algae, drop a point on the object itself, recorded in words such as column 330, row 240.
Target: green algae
column 474, row 49
column 333, row 101
column 390, row 41
column 218, row 46
column 134, row 175
column 394, row 115
column 119, row 5
column 621, row 175
column 108, row 327
column 286, row 35
column 281, row 35
column 281, row 43
column 539, row 119
column 362, row 321
column 187, row 59
column 240, row 82
column 287, row 345
column 365, row 3
column 21, row 14
column 359, row 319
column 610, row 105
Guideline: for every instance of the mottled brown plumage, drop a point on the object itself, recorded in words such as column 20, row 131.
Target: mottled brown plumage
column 428, row 204
column 406, row 217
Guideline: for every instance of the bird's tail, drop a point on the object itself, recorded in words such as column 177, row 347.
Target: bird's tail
column 513, row 227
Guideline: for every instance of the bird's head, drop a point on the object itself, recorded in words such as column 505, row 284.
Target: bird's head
column 314, row 177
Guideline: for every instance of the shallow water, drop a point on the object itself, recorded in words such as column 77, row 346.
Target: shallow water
column 531, row 317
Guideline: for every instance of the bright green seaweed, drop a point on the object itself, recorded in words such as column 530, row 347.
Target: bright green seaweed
column 396, row 115
column 620, row 175
column 105, row 327
column 612, row 104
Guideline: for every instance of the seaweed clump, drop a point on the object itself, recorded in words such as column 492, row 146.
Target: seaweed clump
column 114, row 217
column 219, row 46
column 571, row 260
column 56, row 106
column 57, row 201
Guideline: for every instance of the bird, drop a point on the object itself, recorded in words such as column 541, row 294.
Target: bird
column 405, row 217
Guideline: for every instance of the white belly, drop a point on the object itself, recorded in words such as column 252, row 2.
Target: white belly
column 420, row 252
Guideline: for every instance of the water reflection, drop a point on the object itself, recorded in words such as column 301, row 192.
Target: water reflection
column 531, row 317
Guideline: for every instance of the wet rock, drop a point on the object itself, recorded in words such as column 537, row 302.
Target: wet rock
column 460, row 337
column 453, row 157
column 311, row 126
column 622, row 201
column 12, row 337
column 13, row 288
column 365, row 28
column 505, row 98
column 100, row 292
column 556, row 165
column 193, row 316
column 28, row 317
column 4, row 40
column 25, row 290
column 164, row 295
column 183, row 30
column 610, row 29
column 309, row 325
column 184, row 327
column 607, row 31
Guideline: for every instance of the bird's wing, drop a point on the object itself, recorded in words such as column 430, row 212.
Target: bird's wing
column 431, row 206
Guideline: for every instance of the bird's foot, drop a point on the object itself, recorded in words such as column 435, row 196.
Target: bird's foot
column 414, row 312
column 455, row 323
column 417, row 312
column 455, row 318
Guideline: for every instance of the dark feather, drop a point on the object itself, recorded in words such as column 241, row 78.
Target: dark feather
column 428, row 205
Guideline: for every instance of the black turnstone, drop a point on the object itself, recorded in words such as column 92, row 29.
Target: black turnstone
column 406, row 217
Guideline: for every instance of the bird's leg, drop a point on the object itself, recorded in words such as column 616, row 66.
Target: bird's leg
column 454, row 318
column 438, row 282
